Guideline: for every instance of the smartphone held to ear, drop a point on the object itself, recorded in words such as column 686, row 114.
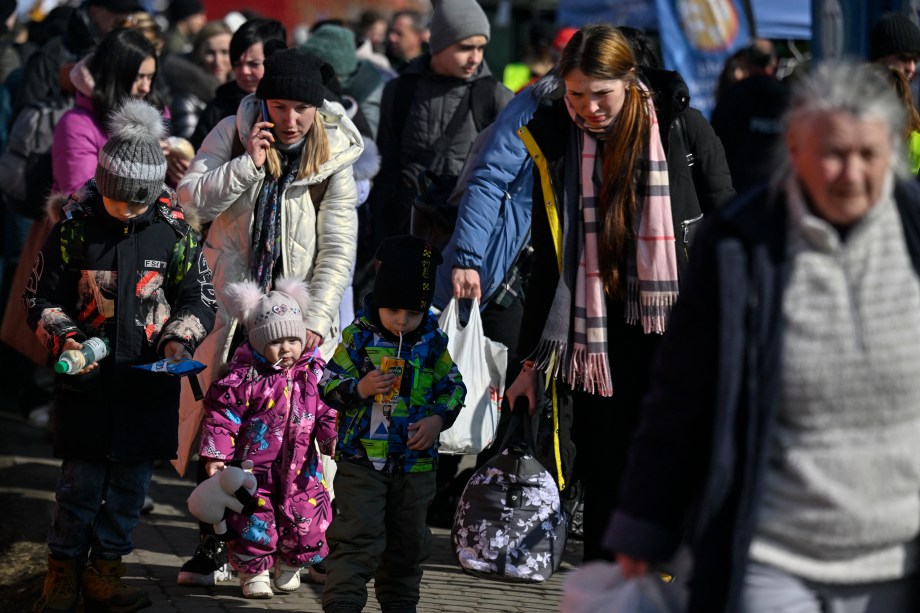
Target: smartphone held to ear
column 267, row 117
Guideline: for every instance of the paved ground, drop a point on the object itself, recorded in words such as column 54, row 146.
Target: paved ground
column 167, row 536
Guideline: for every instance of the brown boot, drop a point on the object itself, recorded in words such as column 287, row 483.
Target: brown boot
column 103, row 589
column 62, row 587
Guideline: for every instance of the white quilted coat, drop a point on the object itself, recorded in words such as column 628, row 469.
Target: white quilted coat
column 319, row 239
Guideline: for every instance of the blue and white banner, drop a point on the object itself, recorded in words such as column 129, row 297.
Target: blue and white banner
column 634, row 13
column 697, row 36
column 781, row 19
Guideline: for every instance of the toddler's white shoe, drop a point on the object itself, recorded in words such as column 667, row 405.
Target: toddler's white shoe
column 256, row 586
column 287, row 578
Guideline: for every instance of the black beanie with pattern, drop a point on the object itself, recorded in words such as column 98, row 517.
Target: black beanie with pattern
column 405, row 278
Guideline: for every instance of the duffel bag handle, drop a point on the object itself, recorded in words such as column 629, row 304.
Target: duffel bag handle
column 519, row 414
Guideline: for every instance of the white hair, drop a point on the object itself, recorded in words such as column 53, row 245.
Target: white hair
column 858, row 89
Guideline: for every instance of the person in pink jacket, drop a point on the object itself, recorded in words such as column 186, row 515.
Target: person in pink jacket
column 123, row 65
column 266, row 409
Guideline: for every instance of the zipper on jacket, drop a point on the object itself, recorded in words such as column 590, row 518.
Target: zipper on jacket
column 852, row 301
column 685, row 226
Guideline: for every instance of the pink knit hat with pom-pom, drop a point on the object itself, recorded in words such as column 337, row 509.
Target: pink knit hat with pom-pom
column 272, row 316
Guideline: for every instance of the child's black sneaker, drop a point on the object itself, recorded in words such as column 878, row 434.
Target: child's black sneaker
column 208, row 565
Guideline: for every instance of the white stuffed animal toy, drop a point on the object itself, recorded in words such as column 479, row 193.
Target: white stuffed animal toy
column 232, row 488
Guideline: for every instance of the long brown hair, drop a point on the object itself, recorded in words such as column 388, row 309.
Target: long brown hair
column 902, row 88
column 602, row 52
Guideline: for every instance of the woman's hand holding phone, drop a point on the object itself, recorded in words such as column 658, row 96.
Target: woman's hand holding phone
column 260, row 139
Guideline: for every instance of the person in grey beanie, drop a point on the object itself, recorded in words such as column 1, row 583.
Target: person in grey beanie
column 418, row 107
column 122, row 265
column 454, row 21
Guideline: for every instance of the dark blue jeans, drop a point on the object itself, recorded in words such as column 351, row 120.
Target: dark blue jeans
column 98, row 505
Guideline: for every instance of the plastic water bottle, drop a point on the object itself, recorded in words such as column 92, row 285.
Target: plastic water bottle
column 73, row 361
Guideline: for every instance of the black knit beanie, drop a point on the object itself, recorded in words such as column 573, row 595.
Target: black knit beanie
column 294, row 74
column 894, row 34
column 406, row 273
column 183, row 9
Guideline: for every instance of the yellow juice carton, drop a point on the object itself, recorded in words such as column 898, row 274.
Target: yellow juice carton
column 393, row 366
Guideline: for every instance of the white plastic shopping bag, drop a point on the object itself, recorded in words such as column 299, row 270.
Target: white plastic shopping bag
column 600, row 587
column 482, row 363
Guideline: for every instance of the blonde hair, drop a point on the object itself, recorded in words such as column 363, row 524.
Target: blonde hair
column 314, row 154
column 602, row 52
column 145, row 24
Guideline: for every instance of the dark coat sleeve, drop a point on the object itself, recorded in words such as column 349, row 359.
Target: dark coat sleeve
column 44, row 297
column 184, row 111
column 209, row 117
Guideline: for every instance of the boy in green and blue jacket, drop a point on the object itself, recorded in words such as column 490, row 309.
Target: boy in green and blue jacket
column 388, row 447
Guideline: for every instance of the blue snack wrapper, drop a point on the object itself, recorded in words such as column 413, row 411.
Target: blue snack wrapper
column 178, row 367
column 181, row 367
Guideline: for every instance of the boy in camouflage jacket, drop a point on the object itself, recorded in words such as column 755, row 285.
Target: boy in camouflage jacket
column 389, row 423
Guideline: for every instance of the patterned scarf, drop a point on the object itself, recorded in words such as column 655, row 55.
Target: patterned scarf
column 266, row 222
column 574, row 340
column 651, row 283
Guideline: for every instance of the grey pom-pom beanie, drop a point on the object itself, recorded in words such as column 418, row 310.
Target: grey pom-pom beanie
column 454, row 20
column 132, row 166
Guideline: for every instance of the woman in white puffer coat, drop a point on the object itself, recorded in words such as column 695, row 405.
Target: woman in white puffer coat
column 280, row 196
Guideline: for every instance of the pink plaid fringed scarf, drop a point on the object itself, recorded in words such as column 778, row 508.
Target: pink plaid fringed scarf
column 651, row 285
column 589, row 366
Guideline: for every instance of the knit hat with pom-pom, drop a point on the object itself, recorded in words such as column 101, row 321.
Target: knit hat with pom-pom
column 132, row 167
column 272, row 316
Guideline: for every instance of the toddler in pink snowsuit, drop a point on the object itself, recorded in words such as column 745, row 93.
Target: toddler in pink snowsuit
column 266, row 409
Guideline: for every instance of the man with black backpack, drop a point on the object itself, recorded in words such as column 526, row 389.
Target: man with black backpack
column 430, row 115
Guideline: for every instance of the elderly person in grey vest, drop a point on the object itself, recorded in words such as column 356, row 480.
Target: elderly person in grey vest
column 779, row 438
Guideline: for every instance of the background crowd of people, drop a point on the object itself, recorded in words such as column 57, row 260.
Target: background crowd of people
column 660, row 279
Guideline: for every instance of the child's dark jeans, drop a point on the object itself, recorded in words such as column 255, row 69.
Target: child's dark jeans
column 379, row 532
column 98, row 506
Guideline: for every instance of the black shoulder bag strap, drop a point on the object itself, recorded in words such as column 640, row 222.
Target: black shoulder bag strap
column 441, row 146
column 402, row 102
column 483, row 102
